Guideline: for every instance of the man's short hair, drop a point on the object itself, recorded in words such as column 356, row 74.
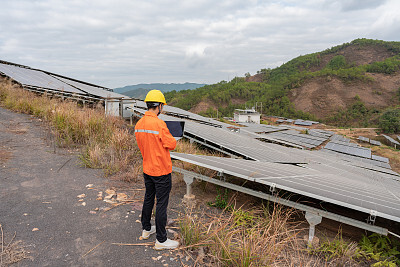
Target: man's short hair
column 151, row 105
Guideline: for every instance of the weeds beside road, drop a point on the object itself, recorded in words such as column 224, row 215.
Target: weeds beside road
column 105, row 142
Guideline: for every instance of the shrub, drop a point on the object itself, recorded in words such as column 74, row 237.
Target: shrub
column 389, row 121
column 381, row 249
column 337, row 62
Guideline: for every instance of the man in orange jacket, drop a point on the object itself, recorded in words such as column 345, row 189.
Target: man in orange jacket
column 155, row 141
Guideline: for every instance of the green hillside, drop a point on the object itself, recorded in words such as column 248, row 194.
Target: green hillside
column 273, row 85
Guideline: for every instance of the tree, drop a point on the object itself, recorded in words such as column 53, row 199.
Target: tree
column 389, row 121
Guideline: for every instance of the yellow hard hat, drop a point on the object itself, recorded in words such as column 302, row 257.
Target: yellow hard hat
column 155, row 96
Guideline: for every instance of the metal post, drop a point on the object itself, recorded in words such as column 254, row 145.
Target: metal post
column 188, row 199
column 121, row 108
column 313, row 219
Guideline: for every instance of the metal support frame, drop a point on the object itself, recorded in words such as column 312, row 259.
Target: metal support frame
column 188, row 180
column 313, row 215
column 313, row 219
column 372, row 217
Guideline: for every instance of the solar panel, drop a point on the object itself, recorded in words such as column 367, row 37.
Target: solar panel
column 261, row 128
column 319, row 133
column 374, row 142
column 271, row 139
column 313, row 122
column 379, row 158
column 355, row 160
column 298, row 138
column 303, row 123
column 174, row 111
column 35, row 78
column 344, row 143
column 242, row 145
column 364, row 139
column 391, row 140
column 296, row 127
column 349, row 148
column 356, row 192
column 340, row 138
column 92, row 90
column 329, row 133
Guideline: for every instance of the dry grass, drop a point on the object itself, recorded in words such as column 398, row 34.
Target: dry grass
column 184, row 146
column 388, row 152
column 253, row 237
column 105, row 142
column 240, row 237
column 12, row 251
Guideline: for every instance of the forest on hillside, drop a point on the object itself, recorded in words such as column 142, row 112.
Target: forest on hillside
column 275, row 84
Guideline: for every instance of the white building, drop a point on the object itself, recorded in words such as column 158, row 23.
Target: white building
column 246, row 115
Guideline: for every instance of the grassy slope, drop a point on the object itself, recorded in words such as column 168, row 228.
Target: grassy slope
column 273, row 90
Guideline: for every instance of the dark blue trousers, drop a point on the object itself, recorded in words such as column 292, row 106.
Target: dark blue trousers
column 159, row 187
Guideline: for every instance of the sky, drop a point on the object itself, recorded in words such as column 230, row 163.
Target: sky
column 124, row 42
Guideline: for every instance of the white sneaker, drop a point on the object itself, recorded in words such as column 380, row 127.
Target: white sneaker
column 146, row 234
column 168, row 244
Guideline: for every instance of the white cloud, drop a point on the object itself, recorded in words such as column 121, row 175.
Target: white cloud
column 121, row 42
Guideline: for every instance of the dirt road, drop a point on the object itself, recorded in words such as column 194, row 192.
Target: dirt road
column 39, row 186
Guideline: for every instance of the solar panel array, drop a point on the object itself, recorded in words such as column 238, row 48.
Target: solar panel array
column 295, row 137
column 349, row 148
column 224, row 140
column 253, row 150
column 29, row 77
column 183, row 114
column 238, row 144
column 343, row 179
column 371, row 141
column 261, row 128
column 32, row 78
column 89, row 89
column 373, row 161
column 320, row 133
column 353, row 191
column 296, row 122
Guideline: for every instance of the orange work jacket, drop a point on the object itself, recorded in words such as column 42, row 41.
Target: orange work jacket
column 154, row 141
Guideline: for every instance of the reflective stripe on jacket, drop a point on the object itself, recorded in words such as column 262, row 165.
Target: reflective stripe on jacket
column 154, row 141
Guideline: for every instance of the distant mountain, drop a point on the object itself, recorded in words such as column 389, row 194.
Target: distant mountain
column 140, row 90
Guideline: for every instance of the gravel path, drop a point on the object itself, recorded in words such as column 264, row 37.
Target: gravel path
column 39, row 185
